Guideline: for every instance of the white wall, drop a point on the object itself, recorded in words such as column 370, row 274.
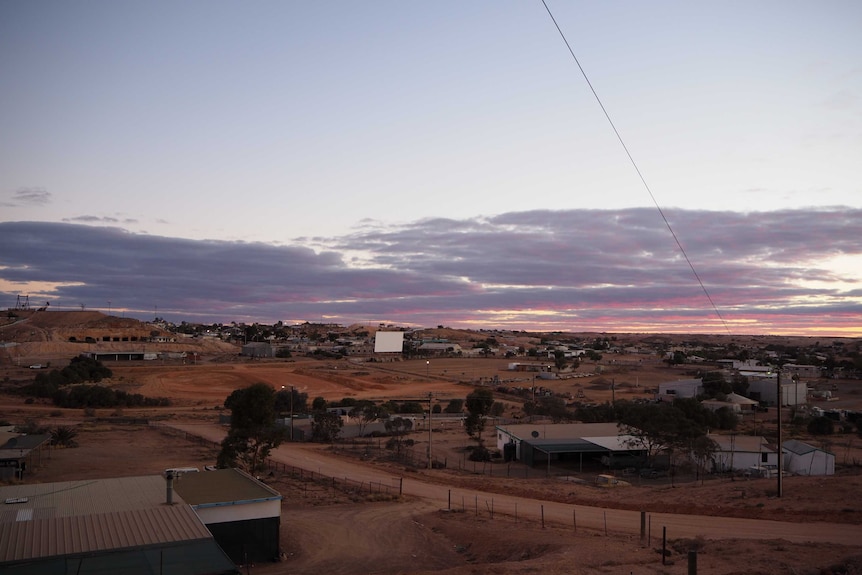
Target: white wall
column 812, row 463
column 239, row 511
column 742, row 460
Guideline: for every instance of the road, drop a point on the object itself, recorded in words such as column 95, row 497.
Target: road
column 308, row 457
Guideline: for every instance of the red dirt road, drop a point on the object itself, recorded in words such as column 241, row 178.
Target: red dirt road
column 311, row 458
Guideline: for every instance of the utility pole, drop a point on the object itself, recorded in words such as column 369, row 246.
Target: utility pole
column 780, row 468
column 430, row 397
column 292, row 388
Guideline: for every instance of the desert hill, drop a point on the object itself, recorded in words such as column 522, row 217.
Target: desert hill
column 38, row 337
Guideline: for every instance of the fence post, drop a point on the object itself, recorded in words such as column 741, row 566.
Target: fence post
column 664, row 545
column 450, row 500
column 400, row 486
column 574, row 519
column 692, row 562
column 643, row 526
column 543, row 516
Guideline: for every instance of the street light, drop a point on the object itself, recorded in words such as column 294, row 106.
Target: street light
column 427, row 368
column 291, row 409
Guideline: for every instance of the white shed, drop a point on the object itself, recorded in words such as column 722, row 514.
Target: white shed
column 671, row 390
column 742, row 452
column 805, row 459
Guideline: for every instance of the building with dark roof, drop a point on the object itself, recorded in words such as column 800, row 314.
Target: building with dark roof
column 573, row 444
column 21, row 452
column 123, row 525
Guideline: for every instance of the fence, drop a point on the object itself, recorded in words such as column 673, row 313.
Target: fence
column 580, row 518
column 363, row 448
column 344, row 484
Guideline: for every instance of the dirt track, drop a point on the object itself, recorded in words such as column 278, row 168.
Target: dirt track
column 311, row 458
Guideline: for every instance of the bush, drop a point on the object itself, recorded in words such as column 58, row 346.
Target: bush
column 821, row 425
column 480, row 454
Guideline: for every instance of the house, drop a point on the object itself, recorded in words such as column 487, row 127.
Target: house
column 801, row 370
column 766, row 389
column 598, row 444
column 681, row 388
column 436, row 348
column 19, row 452
column 122, row 525
column 741, row 452
column 258, row 349
column 734, row 402
column 804, row 459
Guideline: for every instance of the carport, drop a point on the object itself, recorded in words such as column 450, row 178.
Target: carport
column 535, row 451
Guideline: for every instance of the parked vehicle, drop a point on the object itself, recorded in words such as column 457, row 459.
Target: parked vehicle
column 604, row 480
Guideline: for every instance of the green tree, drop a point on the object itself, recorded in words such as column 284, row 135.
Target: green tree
column 821, row 425
column 659, row 427
column 291, row 399
column 560, row 361
column 478, row 404
column 398, row 427
column 253, row 432
column 702, row 450
column 368, row 413
column 319, row 404
column 454, row 406
column 325, row 427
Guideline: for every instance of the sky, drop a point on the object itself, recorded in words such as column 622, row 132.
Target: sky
column 437, row 163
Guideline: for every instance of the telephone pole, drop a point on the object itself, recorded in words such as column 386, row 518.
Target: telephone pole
column 430, row 398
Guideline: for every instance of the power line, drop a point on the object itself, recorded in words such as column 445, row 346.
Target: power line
column 637, row 170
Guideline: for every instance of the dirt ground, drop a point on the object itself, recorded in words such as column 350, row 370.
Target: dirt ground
column 327, row 530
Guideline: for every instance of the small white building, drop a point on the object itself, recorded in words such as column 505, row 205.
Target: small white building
column 682, row 388
column 742, row 452
column 766, row 389
column 805, row 459
column 801, row 370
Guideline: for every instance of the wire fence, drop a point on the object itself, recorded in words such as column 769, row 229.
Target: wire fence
column 459, row 500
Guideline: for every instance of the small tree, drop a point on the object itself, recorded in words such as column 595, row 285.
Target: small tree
column 253, row 433
column 821, row 425
column 560, row 361
column 319, row 404
column 368, row 413
column 63, row 436
column 454, row 406
column 398, row 427
column 478, row 407
column 702, row 451
column 325, row 427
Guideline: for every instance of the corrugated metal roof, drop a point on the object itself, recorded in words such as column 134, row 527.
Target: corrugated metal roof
column 71, row 498
column 90, row 516
column 26, row 441
column 741, row 443
column 532, row 431
column 560, row 446
column 800, row 447
column 618, row 443
column 21, row 540
column 222, row 486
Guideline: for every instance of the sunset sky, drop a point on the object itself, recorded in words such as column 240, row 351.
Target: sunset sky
column 427, row 163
